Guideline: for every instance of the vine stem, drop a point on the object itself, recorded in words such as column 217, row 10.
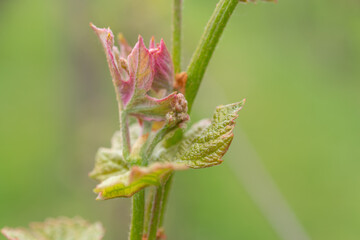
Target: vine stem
column 206, row 47
column 149, row 205
column 176, row 34
column 198, row 63
column 165, row 198
column 124, row 128
column 138, row 200
column 156, row 206
column 195, row 72
column 176, row 56
column 137, row 219
column 151, row 143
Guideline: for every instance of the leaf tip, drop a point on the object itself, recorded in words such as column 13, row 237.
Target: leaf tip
column 152, row 42
column 141, row 40
column 100, row 197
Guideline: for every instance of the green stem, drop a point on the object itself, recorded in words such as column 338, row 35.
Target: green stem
column 154, row 222
column 165, row 197
column 176, row 34
column 137, row 219
column 151, row 143
column 206, row 47
column 124, row 128
column 149, row 204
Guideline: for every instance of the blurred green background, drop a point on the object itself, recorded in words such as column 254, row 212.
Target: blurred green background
column 296, row 62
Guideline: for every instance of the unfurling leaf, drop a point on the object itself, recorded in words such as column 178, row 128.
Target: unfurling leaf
column 141, row 69
column 164, row 68
column 205, row 143
column 143, row 78
column 152, row 109
column 57, row 229
column 137, row 178
column 123, row 86
column 118, row 178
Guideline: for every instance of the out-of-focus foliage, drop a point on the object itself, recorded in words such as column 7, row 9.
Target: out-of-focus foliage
column 296, row 62
column 61, row 228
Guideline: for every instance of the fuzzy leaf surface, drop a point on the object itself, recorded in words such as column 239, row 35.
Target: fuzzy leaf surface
column 57, row 229
column 206, row 142
column 137, row 178
column 143, row 78
column 108, row 162
column 164, row 68
column 209, row 148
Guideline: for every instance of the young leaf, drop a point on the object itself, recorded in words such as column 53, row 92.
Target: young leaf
column 123, row 86
column 144, row 79
column 141, row 69
column 137, row 178
column 108, row 162
column 167, row 151
column 152, row 109
column 164, row 68
column 211, row 145
column 205, row 143
column 57, row 229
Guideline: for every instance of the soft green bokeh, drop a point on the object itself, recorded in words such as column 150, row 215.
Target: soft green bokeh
column 296, row 62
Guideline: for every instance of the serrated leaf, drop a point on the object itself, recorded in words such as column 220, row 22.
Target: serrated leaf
column 205, row 143
column 211, row 145
column 130, row 182
column 167, row 151
column 57, row 229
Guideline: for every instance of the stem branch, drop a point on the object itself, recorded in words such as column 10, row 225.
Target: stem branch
column 151, row 143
